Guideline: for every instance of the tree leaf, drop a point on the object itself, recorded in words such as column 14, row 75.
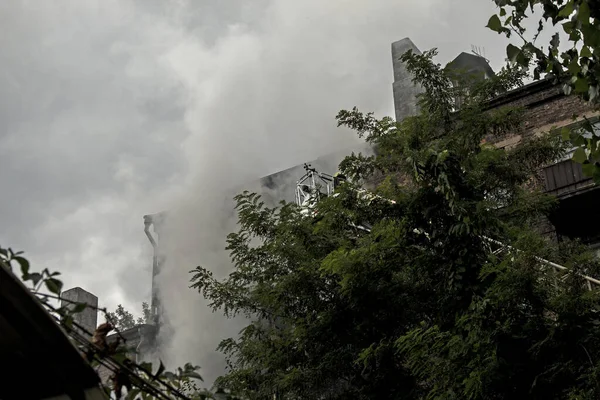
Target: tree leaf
column 587, row 126
column 170, row 376
column 579, row 156
column 79, row 307
column 193, row 374
column 583, row 14
column 131, row 394
column 161, row 369
column 567, row 9
column 494, row 23
column 588, row 169
column 568, row 27
column 146, row 367
column 586, row 52
column 512, row 52
column 35, row 277
column 54, row 285
column 581, row 85
column 574, row 67
column 24, row 265
column 67, row 321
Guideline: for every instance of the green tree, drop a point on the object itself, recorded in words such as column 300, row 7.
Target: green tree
column 419, row 307
column 123, row 319
column 577, row 68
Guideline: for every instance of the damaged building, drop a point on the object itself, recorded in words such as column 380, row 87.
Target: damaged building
column 546, row 108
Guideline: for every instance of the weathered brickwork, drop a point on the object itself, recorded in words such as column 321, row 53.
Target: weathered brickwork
column 546, row 107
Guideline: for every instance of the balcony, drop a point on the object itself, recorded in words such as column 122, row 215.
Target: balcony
column 565, row 178
column 577, row 215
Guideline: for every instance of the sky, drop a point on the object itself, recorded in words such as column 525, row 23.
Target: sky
column 112, row 109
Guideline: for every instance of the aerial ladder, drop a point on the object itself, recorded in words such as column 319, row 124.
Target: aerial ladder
column 314, row 185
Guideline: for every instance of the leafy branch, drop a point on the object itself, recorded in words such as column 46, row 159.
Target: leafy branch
column 139, row 379
column 577, row 68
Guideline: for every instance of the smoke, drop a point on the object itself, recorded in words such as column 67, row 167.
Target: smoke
column 196, row 229
column 115, row 109
column 260, row 114
column 262, row 98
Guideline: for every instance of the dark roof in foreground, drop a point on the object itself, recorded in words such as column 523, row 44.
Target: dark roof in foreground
column 38, row 357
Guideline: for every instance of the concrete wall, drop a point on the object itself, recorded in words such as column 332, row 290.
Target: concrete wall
column 405, row 91
column 88, row 318
column 141, row 341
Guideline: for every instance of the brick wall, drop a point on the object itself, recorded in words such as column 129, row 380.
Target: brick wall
column 546, row 107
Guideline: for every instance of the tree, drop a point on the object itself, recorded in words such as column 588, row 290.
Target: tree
column 577, row 69
column 419, row 307
column 123, row 319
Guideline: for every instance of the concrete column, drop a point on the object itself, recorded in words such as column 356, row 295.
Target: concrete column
column 87, row 318
column 405, row 91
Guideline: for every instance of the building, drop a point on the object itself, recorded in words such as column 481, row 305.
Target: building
column 546, row 108
column 404, row 90
column 141, row 339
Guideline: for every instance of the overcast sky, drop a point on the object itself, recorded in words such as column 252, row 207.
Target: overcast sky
column 112, row 109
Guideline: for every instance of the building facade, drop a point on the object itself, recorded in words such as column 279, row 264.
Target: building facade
column 546, row 109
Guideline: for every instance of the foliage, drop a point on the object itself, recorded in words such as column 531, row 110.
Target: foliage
column 141, row 381
column 419, row 307
column 123, row 319
column 577, row 68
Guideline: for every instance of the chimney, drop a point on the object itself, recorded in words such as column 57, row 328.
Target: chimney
column 87, row 318
column 468, row 69
column 405, row 91
column 471, row 65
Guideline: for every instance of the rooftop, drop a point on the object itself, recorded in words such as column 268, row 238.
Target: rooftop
column 36, row 350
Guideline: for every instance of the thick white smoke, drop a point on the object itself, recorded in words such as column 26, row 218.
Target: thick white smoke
column 112, row 109
column 257, row 106
column 195, row 233
column 260, row 99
